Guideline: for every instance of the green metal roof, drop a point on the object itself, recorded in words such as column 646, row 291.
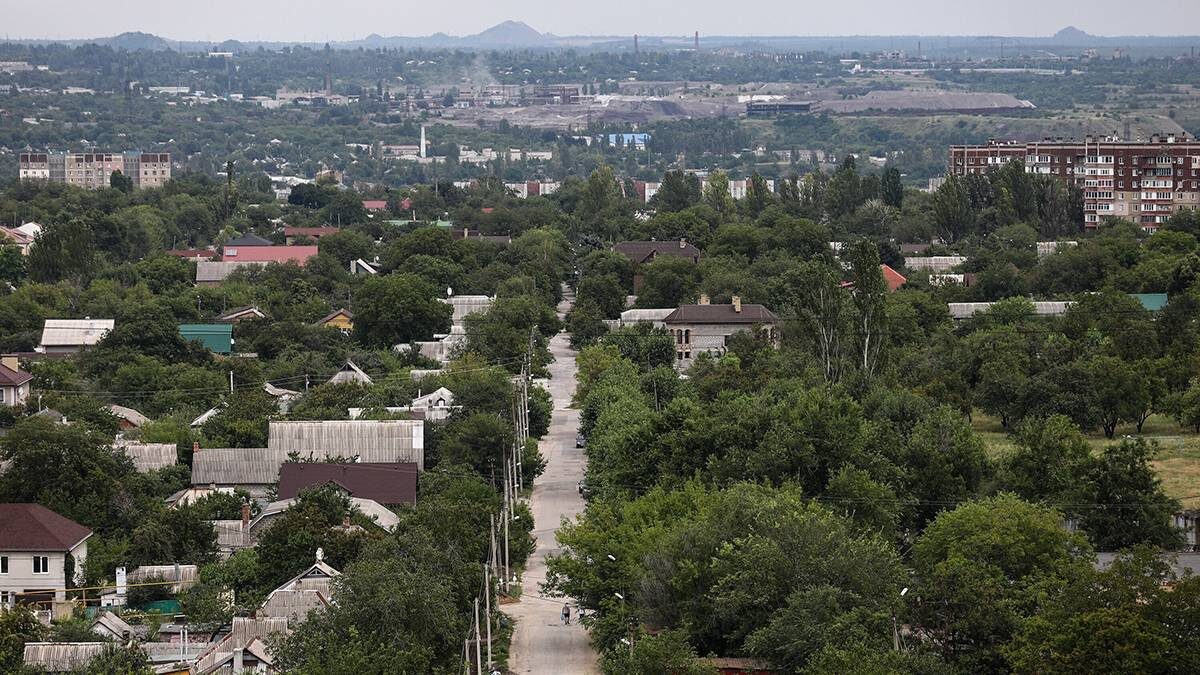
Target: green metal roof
column 217, row 337
column 1151, row 301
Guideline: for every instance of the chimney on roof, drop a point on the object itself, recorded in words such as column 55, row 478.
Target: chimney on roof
column 703, row 300
column 737, row 303
column 245, row 515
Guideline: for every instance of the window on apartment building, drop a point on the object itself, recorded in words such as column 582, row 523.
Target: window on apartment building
column 3, row 564
column 41, row 564
column 687, row 336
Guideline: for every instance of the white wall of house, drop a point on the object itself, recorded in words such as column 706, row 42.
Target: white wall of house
column 21, row 576
column 13, row 396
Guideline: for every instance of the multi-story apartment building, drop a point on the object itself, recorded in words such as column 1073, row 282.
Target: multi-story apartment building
column 94, row 169
column 1142, row 181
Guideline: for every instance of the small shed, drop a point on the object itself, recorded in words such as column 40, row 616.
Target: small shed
column 217, row 337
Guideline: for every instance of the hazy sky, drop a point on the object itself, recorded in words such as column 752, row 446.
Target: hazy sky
column 348, row 19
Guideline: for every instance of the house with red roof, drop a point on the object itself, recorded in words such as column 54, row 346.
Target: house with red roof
column 268, row 254
column 34, row 545
column 892, row 278
column 375, row 204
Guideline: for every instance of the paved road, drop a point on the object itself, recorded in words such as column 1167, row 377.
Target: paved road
column 541, row 644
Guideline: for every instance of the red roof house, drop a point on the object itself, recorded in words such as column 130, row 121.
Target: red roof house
column 892, row 278
column 269, row 254
column 375, row 204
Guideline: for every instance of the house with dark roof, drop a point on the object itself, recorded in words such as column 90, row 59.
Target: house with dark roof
column 641, row 252
column 14, row 383
column 250, row 239
column 34, row 545
column 706, row 328
column 291, row 234
column 192, row 254
column 389, row 483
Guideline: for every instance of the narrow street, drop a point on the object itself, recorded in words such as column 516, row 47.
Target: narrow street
column 541, row 644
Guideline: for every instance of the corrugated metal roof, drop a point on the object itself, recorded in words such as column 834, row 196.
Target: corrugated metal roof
column 75, row 332
column 368, row 440
column 149, row 457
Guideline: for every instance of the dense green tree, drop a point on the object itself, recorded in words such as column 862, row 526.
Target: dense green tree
column 397, row 309
column 983, row 568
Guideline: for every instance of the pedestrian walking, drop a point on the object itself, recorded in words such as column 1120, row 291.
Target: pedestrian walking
column 566, row 615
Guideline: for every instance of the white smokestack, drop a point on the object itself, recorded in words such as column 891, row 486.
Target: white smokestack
column 422, row 141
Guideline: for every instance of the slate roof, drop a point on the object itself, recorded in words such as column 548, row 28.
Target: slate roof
column 293, row 605
column 245, row 634
column 112, row 625
column 643, row 251
column 218, row 270
column 236, row 466
column 75, row 332
column 149, row 457
column 384, row 482
column 61, row 657
column 720, row 315
column 351, row 373
column 241, row 312
column 33, row 527
column 130, row 415
column 368, row 440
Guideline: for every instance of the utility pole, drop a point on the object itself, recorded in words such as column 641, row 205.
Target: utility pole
column 487, row 612
column 231, row 381
column 478, row 655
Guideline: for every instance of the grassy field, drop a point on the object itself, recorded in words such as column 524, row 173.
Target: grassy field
column 1177, row 460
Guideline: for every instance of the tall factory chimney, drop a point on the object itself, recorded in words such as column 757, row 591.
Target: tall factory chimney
column 635, row 43
column 697, row 38
column 422, row 141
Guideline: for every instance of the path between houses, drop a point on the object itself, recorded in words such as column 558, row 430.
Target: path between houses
column 540, row 643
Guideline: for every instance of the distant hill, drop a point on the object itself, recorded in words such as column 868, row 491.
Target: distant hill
column 134, row 41
column 1072, row 35
column 510, row 34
